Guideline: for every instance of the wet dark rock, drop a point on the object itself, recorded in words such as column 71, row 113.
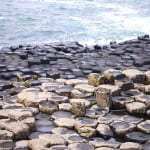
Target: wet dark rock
column 144, row 126
column 124, row 84
column 138, row 137
column 118, row 102
column 83, row 146
column 122, row 128
column 7, row 144
column 146, row 146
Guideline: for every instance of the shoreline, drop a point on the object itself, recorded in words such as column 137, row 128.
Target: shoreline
column 73, row 58
column 66, row 96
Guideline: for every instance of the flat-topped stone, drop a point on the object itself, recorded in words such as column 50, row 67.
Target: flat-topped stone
column 131, row 145
column 135, row 75
column 136, row 108
column 85, row 88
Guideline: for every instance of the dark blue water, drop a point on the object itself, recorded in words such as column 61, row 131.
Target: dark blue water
column 87, row 21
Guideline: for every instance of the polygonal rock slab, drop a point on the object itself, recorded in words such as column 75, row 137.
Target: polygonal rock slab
column 78, row 94
column 58, row 147
column 62, row 114
column 20, row 129
column 76, row 81
column 78, row 107
column 103, row 97
column 99, row 142
column 47, row 107
column 65, row 122
column 138, row 137
column 6, row 144
column 44, row 126
column 65, row 107
column 80, row 146
column 21, row 145
column 136, row 108
column 118, row 102
column 131, row 145
column 144, row 99
column 86, row 131
column 85, row 88
column 115, row 90
column 38, row 144
column 6, row 135
column 30, row 99
column 19, row 114
column 112, row 74
column 85, row 122
column 131, row 119
column 144, row 126
column 105, row 148
column 104, row 130
column 122, row 128
column 135, row 75
column 52, row 139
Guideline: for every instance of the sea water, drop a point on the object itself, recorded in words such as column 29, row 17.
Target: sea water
column 86, row 21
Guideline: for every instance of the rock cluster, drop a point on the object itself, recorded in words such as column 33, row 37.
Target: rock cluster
column 48, row 109
column 77, row 113
column 72, row 60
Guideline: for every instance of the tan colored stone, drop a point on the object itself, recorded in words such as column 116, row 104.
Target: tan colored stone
column 104, row 130
column 103, row 97
column 20, row 129
column 65, row 122
column 6, row 135
column 78, row 94
column 94, row 79
column 30, row 121
column 135, row 75
column 21, row 145
column 144, row 126
column 78, row 107
column 38, row 144
column 131, row 146
column 19, row 114
column 3, row 114
column 47, row 107
column 76, row 81
column 136, row 108
column 99, row 142
column 85, row 88
column 144, row 99
column 147, row 73
column 65, row 107
column 86, row 131
column 115, row 90
column 52, row 139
